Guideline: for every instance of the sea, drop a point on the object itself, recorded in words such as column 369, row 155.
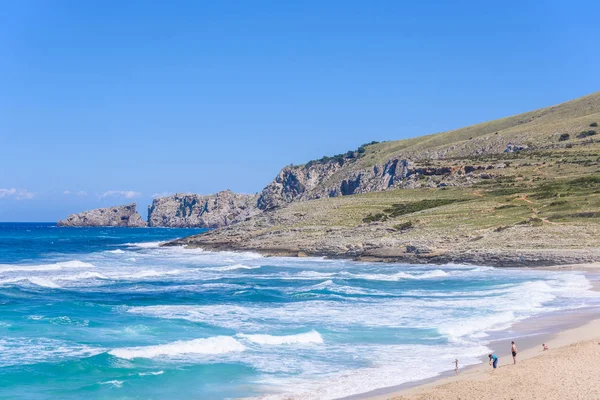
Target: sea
column 107, row 313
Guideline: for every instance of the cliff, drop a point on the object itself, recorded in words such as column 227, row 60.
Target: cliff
column 193, row 210
column 126, row 216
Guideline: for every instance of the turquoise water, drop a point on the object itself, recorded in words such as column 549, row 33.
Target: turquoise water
column 105, row 313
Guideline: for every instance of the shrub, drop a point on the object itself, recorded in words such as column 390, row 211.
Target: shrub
column 584, row 134
column 399, row 209
column 505, row 206
column 379, row 217
column 557, row 203
column 563, row 137
column 404, row 226
column 594, row 124
column 532, row 222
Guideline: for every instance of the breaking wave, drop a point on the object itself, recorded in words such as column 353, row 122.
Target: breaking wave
column 301, row 338
column 212, row 345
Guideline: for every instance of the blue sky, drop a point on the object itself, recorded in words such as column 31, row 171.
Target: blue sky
column 108, row 102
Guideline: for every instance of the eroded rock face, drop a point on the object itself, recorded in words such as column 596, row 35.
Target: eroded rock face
column 332, row 179
column 194, row 210
column 126, row 216
column 307, row 182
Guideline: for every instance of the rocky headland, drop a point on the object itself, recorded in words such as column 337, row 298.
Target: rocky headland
column 208, row 211
column 124, row 216
column 519, row 191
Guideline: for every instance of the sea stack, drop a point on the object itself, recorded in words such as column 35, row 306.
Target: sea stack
column 124, row 216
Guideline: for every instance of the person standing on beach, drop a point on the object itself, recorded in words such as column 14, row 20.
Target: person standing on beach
column 493, row 360
column 513, row 349
column 456, row 366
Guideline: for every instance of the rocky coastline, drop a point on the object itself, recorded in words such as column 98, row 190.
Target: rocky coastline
column 522, row 191
column 122, row 216
column 201, row 211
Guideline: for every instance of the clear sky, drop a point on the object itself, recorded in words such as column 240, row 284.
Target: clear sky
column 108, row 102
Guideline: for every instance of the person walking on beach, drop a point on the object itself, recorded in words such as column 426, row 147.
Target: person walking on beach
column 513, row 349
column 456, row 366
column 544, row 346
column 493, row 360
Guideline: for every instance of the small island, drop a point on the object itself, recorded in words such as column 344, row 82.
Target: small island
column 123, row 216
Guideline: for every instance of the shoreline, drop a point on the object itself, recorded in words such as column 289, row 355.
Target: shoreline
column 571, row 331
column 558, row 330
column 554, row 259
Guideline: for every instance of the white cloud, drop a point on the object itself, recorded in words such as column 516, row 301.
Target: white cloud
column 161, row 194
column 128, row 194
column 18, row 194
column 7, row 192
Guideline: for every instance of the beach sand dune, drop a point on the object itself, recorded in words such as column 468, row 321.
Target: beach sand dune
column 569, row 372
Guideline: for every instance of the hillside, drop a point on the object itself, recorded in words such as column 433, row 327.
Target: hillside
column 439, row 158
column 523, row 190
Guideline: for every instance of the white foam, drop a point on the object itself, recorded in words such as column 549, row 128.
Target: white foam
column 477, row 326
column 385, row 370
column 153, row 373
column 25, row 350
column 301, row 338
column 397, row 276
column 149, row 273
column 48, row 283
column 117, row 251
column 212, row 345
column 144, row 245
column 352, row 290
column 232, row 267
column 115, row 383
column 45, row 267
column 82, row 276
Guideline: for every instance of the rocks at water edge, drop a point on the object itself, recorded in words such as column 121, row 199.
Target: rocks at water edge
column 125, row 216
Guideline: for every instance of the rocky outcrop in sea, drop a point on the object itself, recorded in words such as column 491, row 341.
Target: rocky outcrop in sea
column 125, row 216
column 202, row 211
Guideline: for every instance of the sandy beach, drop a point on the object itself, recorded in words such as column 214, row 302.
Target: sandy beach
column 569, row 369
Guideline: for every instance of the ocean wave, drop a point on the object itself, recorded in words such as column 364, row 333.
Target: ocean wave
column 478, row 326
column 45, row 267
column 336, row 383
column 144, row 245
column 82, row 276
column 147, row 273
column 212, row 345
column 232, row 267
column 351, row 290
column 25, row 350
column 114, row 382
column 117, row 251
column 301, row 338
column 43, row 282
column 437, row 273
column 152, row 373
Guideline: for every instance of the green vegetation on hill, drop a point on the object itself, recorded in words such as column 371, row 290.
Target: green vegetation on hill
column 351, row 155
